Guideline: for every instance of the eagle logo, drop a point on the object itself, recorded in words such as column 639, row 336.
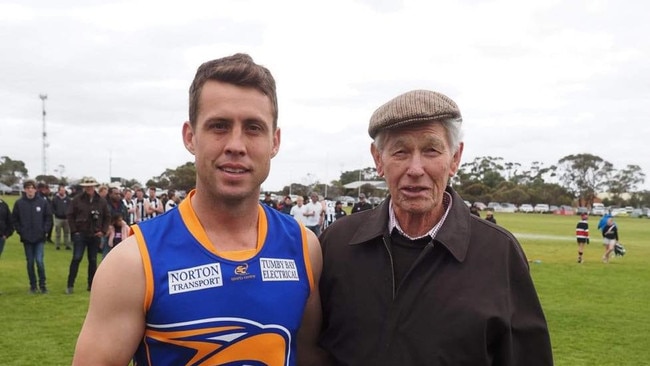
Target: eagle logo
column 219, row 341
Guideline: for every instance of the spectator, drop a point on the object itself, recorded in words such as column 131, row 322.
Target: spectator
column 60, row 203
column 474, row 210
column 489, row 215
column 287, row 205
column 43, row 190
column 32, row 219
column 153, row 206
column 88, row 217
column 338, row 210
column 298, row 211
column 313, row 214
column 268, row 200
column 6, row 226
column 129, row 203
column 362, row 205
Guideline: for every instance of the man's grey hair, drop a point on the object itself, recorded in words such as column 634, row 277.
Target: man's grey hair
column 453, row 128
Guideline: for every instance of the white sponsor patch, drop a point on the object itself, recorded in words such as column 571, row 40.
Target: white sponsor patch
column 195, row 278
column 278, row 269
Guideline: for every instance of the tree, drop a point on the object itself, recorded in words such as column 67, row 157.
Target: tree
column 181, row 178
column 625, row 181
column 584, row 175
column 11, row 171
column 369, row 173
column 48, row 179
column 486, row 169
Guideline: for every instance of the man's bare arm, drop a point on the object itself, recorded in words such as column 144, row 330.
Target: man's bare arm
column 114, row 324
column 308, row 351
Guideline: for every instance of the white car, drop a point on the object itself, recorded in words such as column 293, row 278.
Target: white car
column 597, row 209
column 526, row 208
column 508, row 208
column 5, row 189
column 541, row 208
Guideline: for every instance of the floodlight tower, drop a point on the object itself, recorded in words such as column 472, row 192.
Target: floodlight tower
column 45, row 145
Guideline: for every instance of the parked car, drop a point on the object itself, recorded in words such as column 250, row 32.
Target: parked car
column 494, row 206
column 597, row 209
column 526, row 208
column 619, row 211
column 582, row 210
column 5, row 189
column 564, row 210
column 508, row 207
column 480, row 205
column 541, row 208
column 637, row 212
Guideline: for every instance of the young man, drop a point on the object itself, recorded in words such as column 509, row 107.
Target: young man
column 222, row 279
column 153, row 206
column 419, row 280
column 582, row 235
column 32, row 219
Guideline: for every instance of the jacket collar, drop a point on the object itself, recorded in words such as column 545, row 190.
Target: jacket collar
column 454, row 234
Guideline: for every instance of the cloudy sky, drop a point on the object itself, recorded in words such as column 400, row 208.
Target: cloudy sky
column 535, row 80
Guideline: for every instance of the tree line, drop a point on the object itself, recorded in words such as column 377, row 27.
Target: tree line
column 575, row 180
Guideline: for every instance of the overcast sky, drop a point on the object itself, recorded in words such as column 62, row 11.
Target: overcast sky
column 535, row 80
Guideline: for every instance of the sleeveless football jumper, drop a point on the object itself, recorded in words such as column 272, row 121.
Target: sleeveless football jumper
column 205, row 307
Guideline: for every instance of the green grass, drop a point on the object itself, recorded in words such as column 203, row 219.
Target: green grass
column 598, row 314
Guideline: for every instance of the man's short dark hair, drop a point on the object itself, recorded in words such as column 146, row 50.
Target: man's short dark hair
column 238, row 69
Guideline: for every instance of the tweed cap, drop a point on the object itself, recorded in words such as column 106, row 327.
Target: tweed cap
column 410, row 108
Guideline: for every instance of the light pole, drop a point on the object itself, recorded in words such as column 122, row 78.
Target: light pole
column 43, row 97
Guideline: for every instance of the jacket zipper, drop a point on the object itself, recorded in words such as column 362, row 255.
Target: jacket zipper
column 392, row 266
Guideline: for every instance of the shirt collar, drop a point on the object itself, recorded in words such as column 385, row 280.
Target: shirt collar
column 394, row 224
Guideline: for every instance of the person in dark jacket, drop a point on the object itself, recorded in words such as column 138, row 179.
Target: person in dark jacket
column 362, row 205
column 32, row 219
column 419, row 280
column 60, row 202
column 6, row 226
column 88, row 217
column 43, row 190
column 490, row 217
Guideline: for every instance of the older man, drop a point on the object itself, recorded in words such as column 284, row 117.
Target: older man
column 419, row 280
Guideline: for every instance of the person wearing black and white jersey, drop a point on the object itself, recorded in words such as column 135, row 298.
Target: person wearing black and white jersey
column 153, row 206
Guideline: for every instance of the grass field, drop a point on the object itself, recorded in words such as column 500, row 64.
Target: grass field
column 598, row 314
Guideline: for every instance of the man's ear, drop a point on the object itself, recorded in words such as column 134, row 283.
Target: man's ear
column 188, row 137
column 376, row 156
column 455, row 162
column 276, row 142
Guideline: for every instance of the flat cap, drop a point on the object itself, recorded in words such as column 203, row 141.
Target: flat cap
column 410, row 108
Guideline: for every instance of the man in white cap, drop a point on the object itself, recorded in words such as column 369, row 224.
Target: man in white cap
column 419, row 280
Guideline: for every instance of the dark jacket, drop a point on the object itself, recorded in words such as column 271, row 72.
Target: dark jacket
column 361, row 206
column 32, row 219
column 6, row 226
column 88, row 217
column 60, row 206
column 468, row 299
